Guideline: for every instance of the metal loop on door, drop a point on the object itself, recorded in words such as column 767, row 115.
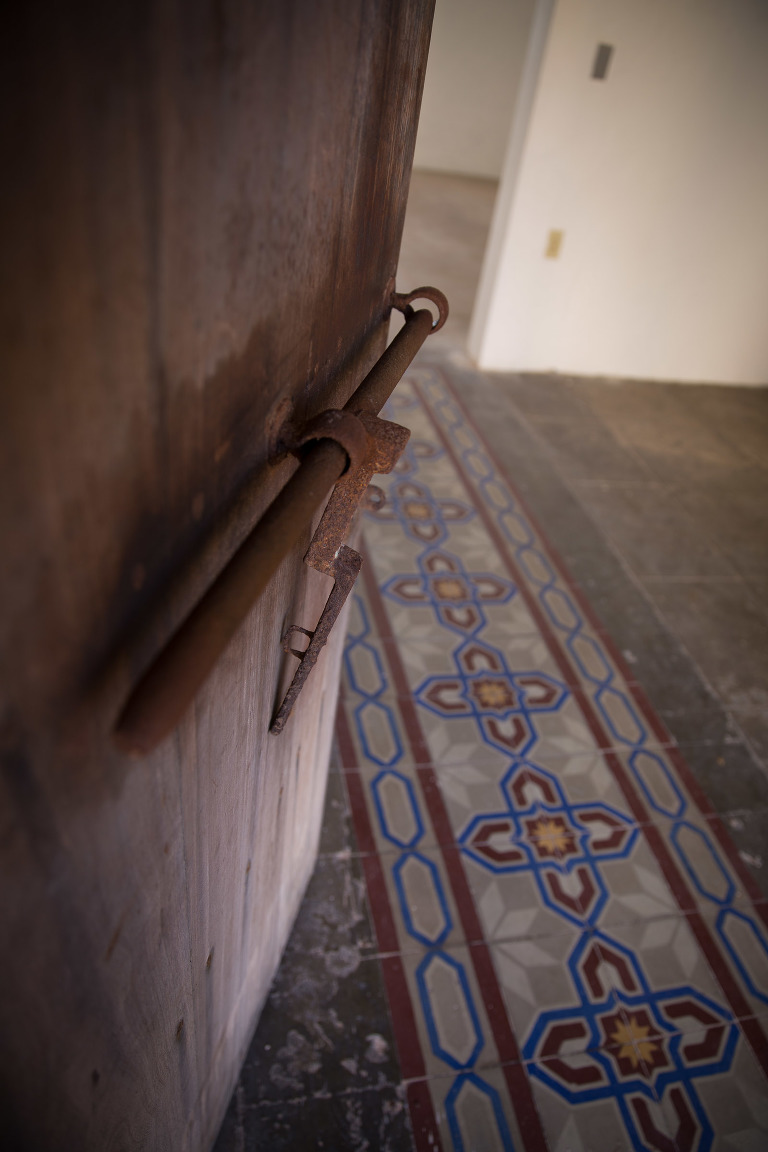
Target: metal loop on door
column 402, row 301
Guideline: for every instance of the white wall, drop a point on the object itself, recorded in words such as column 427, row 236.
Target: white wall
column 475, row 58
column 658, row 177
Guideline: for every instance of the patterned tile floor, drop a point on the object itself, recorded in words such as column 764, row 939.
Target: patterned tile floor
column 573, row 953
column 528, row 928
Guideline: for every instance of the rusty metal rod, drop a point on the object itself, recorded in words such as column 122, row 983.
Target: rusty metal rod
column 377, row 387
column 167, row 689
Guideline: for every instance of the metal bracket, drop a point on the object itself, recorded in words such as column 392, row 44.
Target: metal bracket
column 372, row 445
column 168, row 686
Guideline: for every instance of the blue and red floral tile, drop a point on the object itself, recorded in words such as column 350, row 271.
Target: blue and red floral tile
column 574, row 956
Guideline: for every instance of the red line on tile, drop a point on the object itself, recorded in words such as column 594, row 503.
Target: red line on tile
column 412, row 1067
column 365, row 838
column 515, row 1075
column 674, row 877
column 411, row 1057
column 421, row 1109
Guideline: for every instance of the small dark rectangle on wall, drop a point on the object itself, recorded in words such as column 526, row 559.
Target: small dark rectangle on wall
column 602, row 61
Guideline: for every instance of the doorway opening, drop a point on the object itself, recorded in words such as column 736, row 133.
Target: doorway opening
column 474, row 79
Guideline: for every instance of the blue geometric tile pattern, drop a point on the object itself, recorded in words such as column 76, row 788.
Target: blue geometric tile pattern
column 664, row 981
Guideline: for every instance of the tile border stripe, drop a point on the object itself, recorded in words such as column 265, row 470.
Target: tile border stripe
column 421, row 1110
column 518, row 1085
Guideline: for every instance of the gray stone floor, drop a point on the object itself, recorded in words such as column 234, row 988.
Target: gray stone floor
column 656, row 496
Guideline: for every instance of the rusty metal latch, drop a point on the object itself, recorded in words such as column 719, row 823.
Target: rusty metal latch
column 341, row 444
column 373, row 445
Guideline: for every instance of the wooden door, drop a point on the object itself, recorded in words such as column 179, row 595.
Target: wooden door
column 201, row 214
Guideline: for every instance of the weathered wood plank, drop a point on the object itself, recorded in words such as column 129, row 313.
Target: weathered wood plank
column 200, row 216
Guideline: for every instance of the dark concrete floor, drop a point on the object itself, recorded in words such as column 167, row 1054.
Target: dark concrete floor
column 656, row 496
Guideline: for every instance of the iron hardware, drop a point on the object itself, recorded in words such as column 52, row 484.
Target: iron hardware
column 383, row 444
column 168, row 687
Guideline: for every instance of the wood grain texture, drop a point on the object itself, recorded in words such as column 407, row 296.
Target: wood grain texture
column 200, row 213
